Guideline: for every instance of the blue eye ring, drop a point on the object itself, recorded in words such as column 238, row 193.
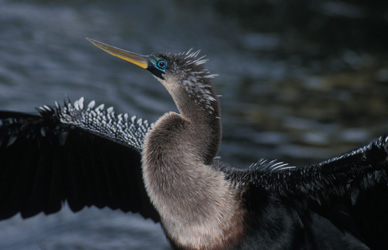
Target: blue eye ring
column 161, row 64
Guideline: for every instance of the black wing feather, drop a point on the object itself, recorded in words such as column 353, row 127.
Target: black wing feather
column 62, row 155
column 358, row 201
column 350, row 190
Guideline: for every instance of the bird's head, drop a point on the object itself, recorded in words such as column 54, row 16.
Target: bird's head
column 179, row 73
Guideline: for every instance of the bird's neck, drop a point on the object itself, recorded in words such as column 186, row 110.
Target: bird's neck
column 199, row 111
column 197, row 205
column 203, row 124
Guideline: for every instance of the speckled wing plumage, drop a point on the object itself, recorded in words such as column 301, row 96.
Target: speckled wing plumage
column 351, row 190
column 122, row 128
column 76, row 154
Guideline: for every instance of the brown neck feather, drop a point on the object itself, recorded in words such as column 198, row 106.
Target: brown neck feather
column 199, row 208
column 202, row 116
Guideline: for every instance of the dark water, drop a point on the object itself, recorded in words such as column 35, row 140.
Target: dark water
column 299, row 83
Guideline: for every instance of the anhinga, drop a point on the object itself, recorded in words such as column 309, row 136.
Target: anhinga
column 90, row 156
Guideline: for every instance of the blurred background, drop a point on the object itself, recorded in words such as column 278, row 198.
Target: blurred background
column 301, row 81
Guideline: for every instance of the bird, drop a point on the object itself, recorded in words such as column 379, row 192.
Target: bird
column 169, row 171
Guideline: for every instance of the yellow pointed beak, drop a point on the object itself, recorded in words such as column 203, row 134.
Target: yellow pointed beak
column 134, row 58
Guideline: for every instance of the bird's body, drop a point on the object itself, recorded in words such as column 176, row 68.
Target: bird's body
column 168, row 172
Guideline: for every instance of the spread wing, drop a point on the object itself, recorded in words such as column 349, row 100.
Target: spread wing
column 350, row 190
column 82, row 155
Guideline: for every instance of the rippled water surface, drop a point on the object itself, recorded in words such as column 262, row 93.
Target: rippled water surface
column 289, row 92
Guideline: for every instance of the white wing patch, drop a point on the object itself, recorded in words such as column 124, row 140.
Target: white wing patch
column 121, row 127
column 270, row 166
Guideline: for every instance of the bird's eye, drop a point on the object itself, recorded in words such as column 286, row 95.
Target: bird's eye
column 161, row 64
